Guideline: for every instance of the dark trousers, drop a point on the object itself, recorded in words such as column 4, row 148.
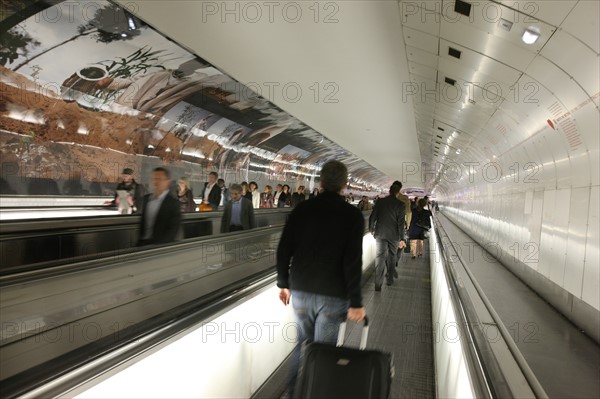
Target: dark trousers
column 235, row 227
column 385, row 259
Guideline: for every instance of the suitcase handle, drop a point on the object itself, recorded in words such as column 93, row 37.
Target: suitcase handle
column 363, row 335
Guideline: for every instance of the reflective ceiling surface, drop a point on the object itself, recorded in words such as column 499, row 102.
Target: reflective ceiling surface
column 391, row 63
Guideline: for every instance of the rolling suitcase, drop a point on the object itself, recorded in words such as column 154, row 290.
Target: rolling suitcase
column 329, row 371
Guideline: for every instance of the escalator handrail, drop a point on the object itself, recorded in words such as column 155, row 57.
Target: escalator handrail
column 130, row 254
column 480, row 351
column 145, row 342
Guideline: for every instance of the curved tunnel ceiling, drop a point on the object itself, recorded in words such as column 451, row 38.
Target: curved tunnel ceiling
column 83, row 79
column 395, row 83
column 404, row 95
column 350, row 52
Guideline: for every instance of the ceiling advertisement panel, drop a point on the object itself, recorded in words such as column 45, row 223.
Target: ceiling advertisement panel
column 88, row 89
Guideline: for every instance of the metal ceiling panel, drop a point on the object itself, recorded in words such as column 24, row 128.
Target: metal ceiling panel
column 552, row 12
column 576, row 59
column 476, row 81
column 424, row 41
column 481, row 63
column 417, row 18
column 421, row 57
column 490, row 45
column 422, row 70
column 565, row 89
column 582, row 23
column 487, row 17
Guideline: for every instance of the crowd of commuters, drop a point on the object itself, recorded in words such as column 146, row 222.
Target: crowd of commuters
column 319, row 257
column 395, row 221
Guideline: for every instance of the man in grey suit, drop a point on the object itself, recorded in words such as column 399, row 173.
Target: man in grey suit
column 238, row 214
column 386, row 223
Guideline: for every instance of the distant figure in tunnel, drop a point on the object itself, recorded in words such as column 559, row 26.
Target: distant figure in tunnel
column 319, row 262
column 238, row 213
column 161, row 216
column 419, row 225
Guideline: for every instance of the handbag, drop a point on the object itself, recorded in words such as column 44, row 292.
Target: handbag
column 424, row 224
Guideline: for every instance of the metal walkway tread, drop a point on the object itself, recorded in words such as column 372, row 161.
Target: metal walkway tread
column 400, row 323
column 564, row 360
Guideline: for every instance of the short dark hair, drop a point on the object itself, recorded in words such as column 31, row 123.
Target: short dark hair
column 398, row 183
column 334, row 176
column 236, row 187
column 220, row 181
column 215, row 174
column 394, row 189
column 163, row 170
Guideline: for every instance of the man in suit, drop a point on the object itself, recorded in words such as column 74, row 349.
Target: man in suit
column 408, row 211
column 319, row 261
column 161, row 216
column 211, row 194
column 386, row 223
column 238, row 213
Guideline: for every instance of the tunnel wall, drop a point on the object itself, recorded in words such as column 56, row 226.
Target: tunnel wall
column 536, row 208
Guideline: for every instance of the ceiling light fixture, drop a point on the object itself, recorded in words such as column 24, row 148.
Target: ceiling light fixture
column 530, row 36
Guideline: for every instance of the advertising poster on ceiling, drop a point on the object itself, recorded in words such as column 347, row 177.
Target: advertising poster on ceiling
column 88, row 88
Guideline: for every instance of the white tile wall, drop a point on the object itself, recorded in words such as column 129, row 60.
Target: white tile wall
column 591, row 272
column 576, row 241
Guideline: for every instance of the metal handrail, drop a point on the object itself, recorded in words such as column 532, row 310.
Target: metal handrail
column 481, row 385
column 137, row 253
column 483, row 362
column 144, row 343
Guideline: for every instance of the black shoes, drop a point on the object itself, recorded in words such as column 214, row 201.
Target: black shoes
column 377, row 287
column 395, row 273
column 389, row 282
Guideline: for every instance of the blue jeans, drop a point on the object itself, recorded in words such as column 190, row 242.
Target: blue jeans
column 385, row 259
column 319, row 318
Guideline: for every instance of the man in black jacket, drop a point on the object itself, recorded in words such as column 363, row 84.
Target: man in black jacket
column 386, row 223
column 161, row 215
column 323, row 241
column 211, row 194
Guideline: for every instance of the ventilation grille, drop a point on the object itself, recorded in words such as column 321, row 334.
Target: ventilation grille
column 454, row 52
column 451, row 82
column 462, row 7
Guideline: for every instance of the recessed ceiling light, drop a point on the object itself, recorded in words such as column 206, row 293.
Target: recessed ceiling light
column 530, row 36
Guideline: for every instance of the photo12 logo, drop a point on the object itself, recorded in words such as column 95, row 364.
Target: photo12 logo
column 470, row 92
column 456, row 11
column 253, row 12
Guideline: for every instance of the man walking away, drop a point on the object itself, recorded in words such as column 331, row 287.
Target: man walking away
column 323, row 241
column 386, row 223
